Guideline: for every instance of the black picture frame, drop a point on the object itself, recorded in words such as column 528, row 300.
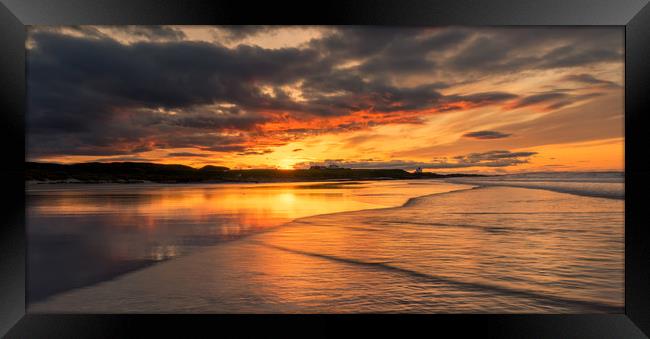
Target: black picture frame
column 634, row 15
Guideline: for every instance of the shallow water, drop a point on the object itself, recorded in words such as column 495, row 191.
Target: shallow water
column 81, row 234
column 483, row 250
column 592, row 184
column 486, row 250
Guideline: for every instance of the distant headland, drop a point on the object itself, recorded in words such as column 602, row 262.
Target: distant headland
column 139, row 172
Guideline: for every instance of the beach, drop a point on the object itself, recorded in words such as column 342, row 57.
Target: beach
column 324, row 169
column 463, row 249
column 82, row 234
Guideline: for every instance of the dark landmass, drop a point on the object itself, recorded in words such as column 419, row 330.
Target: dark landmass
column 134, row 172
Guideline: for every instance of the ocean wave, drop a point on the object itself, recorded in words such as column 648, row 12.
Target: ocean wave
column 565, row 176
column 482, row 249
column 598, row 189
column 476, row 286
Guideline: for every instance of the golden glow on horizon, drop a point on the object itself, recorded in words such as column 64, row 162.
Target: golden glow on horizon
column 559, row 136
column 406, row 141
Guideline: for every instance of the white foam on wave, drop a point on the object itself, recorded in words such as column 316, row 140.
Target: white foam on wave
column 593, row 184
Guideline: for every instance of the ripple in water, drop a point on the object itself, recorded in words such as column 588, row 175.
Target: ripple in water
column 482, row 250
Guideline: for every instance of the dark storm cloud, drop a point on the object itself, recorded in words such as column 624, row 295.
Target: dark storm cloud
column 201, row 140
column 375, row 97
column 342, row 93
column 153, row 33
column 398, row 64
column 499, row 158
column 356, row 42
column 240, row 32
column 173, row 74
column 212, row 121
column 96, row 95
column 486, row 135
column 399, row 51
column 82, row 88
column 517, row 49
column 481, row 52
column 403, row 52
column 360, row 42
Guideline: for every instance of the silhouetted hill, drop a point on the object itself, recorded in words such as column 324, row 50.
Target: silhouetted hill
column 128, row 172
column 210, row 168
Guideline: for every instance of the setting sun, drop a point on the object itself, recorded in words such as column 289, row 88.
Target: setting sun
column 292, row 97
column 325, row 169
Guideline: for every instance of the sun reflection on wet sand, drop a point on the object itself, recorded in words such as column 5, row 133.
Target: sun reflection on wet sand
column 83, row 234
column 493, row 249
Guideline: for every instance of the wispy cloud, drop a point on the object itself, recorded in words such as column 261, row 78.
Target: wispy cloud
column 486, row 135
column 129, row 91
column 497, row 158
column 590, row 79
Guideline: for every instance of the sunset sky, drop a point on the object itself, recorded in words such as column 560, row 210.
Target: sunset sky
column 447, row 99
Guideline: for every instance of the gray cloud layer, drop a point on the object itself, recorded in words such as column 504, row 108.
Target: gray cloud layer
column 93, row 95
column 497, row 158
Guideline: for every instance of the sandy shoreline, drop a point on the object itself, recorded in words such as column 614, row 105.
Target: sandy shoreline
column 108, row 270
column 307, row 265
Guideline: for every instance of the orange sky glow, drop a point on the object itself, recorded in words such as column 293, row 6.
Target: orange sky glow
column 447, row 99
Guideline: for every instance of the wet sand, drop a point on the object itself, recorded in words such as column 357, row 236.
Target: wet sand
column 484, row 250
column 80, row 235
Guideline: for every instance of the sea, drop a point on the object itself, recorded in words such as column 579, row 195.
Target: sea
column 521, row 243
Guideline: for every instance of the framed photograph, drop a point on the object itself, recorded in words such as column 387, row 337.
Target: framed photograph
column 343, row 168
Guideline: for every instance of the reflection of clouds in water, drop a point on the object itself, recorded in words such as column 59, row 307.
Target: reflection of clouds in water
column 493, row 249
column 110, row 225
